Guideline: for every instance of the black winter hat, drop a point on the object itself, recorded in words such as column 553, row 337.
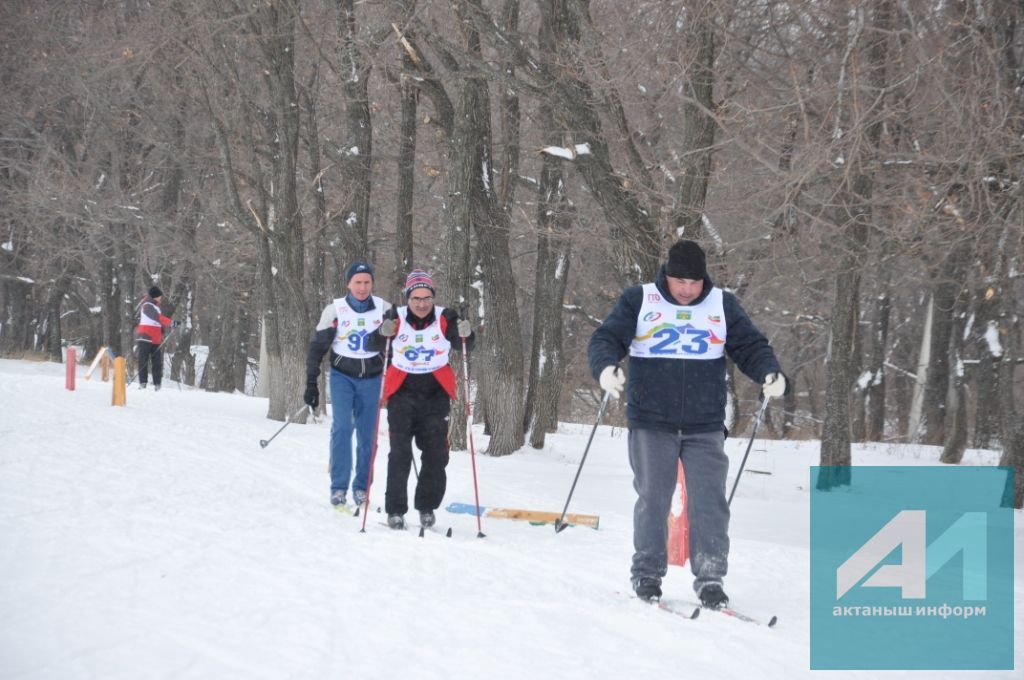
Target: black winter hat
column 358, row 268
column 686, row 260
column 155, row 292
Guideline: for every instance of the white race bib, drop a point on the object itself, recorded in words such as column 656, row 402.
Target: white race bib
column 668, row 331
column 354, row 327
column 420, row 351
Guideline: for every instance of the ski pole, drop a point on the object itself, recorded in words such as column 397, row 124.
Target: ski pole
column 287, row 422
column 469, row 434
column 560, row 524
column 376, row 434
column 757, row 421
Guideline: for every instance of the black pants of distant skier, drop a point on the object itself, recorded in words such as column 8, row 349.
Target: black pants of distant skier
column 425, row 420
column 653, row 455
column 150, row 353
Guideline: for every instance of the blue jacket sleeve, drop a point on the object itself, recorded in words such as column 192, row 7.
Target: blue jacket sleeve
column 746, row 345
column 610, row 342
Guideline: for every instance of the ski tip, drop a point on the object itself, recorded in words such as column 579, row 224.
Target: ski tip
column 449, row 532
column 422, row 531
column 772, row 621
column 696, row 613
column 356, row 513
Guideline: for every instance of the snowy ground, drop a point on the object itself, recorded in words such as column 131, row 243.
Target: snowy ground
column 160, row 541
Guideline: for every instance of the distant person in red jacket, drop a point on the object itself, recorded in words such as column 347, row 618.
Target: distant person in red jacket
column 419, row 388
column 149, row 335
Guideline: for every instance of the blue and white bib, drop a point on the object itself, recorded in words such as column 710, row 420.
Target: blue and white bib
column 353, row 327
column 420, row 351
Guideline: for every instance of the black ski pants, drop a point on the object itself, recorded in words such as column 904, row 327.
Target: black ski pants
column 149, row 352
column 424, row 418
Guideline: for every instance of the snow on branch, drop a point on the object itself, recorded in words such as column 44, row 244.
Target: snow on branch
column 567, row 153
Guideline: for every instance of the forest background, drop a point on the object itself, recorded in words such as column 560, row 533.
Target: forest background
column 852, row 168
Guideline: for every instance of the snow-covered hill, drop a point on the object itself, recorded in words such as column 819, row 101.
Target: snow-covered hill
column 159, row 540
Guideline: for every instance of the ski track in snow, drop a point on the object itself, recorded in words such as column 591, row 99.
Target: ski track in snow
column 159, row 540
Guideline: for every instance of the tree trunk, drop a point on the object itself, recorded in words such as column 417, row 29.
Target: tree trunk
column 52, row 338
column 281, row 242
column 936, row 388
column 698, row 125
column 406, row 181
column 503, row 350
column 555, row 216
column 110, row 306
column 355, row 152
column 547, row 364
column 1013, row 457
column 858, row 425
column 638, row 242
column 876, row 364
column 835, row 438
column 854, row 199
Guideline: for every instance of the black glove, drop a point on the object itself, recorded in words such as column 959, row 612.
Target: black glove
column 312, row 396
column 175, row 323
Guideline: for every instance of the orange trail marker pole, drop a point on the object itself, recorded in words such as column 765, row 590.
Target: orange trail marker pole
column 120, row 381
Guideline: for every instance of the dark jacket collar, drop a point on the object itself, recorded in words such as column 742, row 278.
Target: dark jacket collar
column 418, row 323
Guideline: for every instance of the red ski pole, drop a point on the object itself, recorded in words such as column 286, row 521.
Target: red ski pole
column 376, row 433
column 469, row 434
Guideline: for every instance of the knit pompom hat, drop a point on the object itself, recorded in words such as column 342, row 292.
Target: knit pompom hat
column 418, row 278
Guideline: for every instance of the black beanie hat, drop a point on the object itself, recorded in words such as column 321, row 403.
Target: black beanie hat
column 155, row 292
column 686, row 260
column 358, row 268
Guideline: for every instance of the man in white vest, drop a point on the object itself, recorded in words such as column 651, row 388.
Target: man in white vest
column 355, row 375
column 677, row 331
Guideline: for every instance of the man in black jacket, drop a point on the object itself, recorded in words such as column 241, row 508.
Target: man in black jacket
column 677, row 331
column 355, row 375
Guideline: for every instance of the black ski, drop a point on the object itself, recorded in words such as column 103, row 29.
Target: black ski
column 729, row 611
column 422, row 529
column 685, row 613
column 433, row 529
column 690, row 611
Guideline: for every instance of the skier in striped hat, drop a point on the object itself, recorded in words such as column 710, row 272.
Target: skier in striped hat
column 419, row 388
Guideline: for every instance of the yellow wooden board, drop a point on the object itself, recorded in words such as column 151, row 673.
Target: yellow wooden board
column 543, row 517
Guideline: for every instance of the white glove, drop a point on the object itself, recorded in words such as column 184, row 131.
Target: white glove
column 612, row 380
column 774, row 385
column 387, row 328
column 465, row 328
